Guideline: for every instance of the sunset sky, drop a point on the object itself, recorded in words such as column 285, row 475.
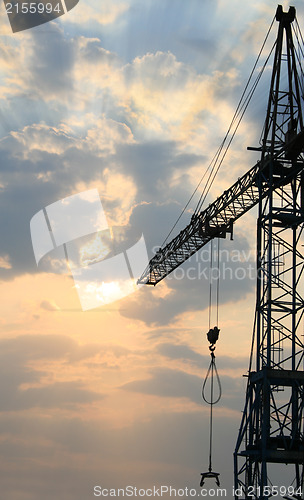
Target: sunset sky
column 132, row 98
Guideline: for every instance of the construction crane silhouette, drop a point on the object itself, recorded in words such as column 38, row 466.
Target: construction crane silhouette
column 272, row 425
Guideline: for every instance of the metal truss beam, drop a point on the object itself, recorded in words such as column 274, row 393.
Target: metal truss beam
column 217, row 220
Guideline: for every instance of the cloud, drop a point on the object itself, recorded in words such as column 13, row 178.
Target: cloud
column 185, row 353
column 173, row 383
column 48, row 305
column 167, row 383
column 44, row 164
column 31, row 347
column 189, row 286
column 24, row 387
column 61, row 394
column 5, row 262
column 152, row 165
column 92, row 11
column 71, row 455
column 151, row 100
column 44, row 429
column 50, row 70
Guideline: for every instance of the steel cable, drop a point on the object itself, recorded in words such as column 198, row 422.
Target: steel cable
column 216, row 162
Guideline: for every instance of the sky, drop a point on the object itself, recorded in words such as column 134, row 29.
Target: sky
column 131, row 98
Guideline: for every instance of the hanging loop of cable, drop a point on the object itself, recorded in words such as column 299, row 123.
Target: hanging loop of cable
column 212, row 373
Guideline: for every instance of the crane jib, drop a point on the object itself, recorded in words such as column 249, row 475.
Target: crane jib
column 217, row 220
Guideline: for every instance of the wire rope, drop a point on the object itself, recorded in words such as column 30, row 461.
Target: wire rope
column 299, row 53
column 212, row 278
column 218, row 282
column 240, row 110
column 215, row 168
column 210, row 282
column 213, row 374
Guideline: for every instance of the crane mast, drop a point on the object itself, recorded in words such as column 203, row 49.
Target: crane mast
column 272, row 427
column 271, row 433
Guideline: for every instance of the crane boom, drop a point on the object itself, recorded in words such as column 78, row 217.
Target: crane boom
column 217, row 220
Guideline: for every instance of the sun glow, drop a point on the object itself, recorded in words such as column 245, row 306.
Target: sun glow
column 107, row 292
column 94, row 251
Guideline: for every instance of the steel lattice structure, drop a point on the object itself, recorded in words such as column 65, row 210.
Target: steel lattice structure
column 272, row 426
